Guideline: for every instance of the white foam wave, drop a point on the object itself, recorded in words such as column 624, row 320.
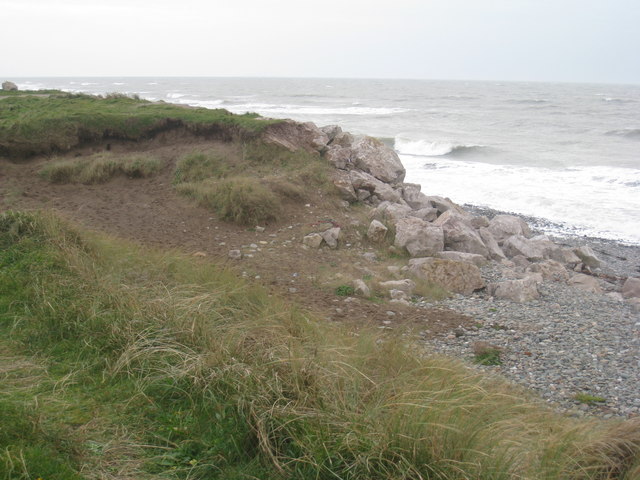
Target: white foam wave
column 432, row 149
column 272, row 110
column 173, row 95
column 200, row 103
column 596, row 201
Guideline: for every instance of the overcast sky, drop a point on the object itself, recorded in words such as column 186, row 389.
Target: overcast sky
column 536, row 40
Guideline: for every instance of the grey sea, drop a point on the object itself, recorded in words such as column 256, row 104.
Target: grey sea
column 567, row 154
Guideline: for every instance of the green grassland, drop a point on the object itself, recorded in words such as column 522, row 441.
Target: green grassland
column 55, row 122
column 117, row 362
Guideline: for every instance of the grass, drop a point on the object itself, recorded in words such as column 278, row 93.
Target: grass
column 118, row 362
column 589, row 399
column 486, row 354
column 32, row 124
column 251, row 182
column 100, row 168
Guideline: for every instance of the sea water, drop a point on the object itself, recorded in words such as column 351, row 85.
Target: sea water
column 565, row 153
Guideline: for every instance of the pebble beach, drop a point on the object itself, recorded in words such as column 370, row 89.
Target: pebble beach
column 579, row 351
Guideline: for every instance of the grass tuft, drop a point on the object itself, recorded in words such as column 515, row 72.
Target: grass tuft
column 100, row 168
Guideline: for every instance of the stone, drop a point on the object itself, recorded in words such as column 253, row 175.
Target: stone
column 391, row 212
column 406, row 285
column 505, row 226
column 235, row 254
column 588, row 256
column 414, row 197
column 458, row 277
column 428, row 214
column 342, row 182
column 370, row 256
column 634, row 303
column 586, row 283
column 363, row 195
column 260, row 229
column 459, row 236
column 331, row 236
column 375, row 158
column 313, row 240
column 518, row 290
column 418, row 237
column 631, row 288
column 565, row 256
column 445, row 204
column 398, row 295
column 364, row 181
column 520, row 245
column 361, row 288
column 377, row 231
column 615, row 296
column 339, row 157
column 296, row 136
column 473, row 258
column 331, row 131
column 551, row 270
column 495, row 252
column 9, row 86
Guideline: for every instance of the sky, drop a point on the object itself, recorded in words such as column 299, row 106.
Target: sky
column 593, row 41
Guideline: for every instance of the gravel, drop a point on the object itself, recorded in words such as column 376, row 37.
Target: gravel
column 564, row 344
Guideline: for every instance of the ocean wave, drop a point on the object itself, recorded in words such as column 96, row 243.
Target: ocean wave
column 596, row 201
column 426, row 148
column 625, row 132
column 267, row 109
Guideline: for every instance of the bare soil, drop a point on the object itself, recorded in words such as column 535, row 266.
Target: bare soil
column 150, row 212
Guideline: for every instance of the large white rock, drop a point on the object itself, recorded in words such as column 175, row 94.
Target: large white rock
column 313, row 240
column 414, row 197
column 459, row 235
column 519, row 290
column 473, row 258
column 9, row 86
column 504, row 226
column 586, row 283
column 364, row 181
column 588, row 256
column 565, row 256
column 361, row 288
column 374, row 157
column 631, row 288
column 391, row 212
column 342, row 182
column 550, row 270
column 420, row 238
column 495, row 252
column 443, row 204
column 406, row 285
column 458, row 277
column 331, row 236
column 295, row 136
column 533, row 250
column 377, row 231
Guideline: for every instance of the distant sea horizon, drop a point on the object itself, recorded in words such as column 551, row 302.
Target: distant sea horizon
column 566, row 153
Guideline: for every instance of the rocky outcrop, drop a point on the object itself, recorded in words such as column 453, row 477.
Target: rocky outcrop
column 418, row 237
column 519, row 290
column 295, row 135
column 458, row 277
column 9, row 86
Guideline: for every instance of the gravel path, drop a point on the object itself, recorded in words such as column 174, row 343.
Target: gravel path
column 567, row 342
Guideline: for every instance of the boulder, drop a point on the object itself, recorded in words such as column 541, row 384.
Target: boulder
column 313, row 240
column 374, row 157
column 377, row 231
column 414, row 197
column 564, row 256
column 420, row 238
column 495, row 252
column 520, row 245
column 459, row 235
column 9, row 86
column 458, row 277
column 473, row 258
column 588, row 256
column 407, row 285
column 550, row 270
column 445, row 204
column 519, row 290
column 339, row 157
column 479, row 222
column 391, row 212
column 361, row 288
column 586, row 283
column 296, row 136
column 505, row 226
column 331, row 131
column 342, row 182
column 331, row 236
column 235, row 254
column 631, row 288
column 428, row 214
column 634, row 303
column 364, row 181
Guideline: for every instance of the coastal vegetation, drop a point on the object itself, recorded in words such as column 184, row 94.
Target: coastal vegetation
column 120, row 361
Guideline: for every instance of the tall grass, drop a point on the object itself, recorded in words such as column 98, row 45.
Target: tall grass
column 224, row 381
column 100, row 168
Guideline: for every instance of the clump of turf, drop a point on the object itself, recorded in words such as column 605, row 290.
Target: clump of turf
column 100, row 168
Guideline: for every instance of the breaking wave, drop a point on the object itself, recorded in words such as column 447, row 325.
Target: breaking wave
column 425, row 148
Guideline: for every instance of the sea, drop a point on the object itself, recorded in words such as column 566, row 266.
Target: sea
column 565, row 154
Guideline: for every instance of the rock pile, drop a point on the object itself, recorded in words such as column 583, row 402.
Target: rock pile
column 447, row 244
column 9, row 86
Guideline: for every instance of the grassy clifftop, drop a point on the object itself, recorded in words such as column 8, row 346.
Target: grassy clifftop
column 123, row 363
column 39, row 123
